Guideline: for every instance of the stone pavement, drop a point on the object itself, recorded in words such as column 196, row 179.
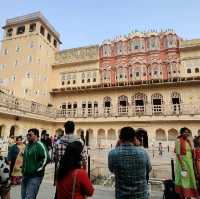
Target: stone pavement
column 47, row 192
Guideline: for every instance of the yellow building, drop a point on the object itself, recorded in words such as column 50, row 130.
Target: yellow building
column 144, row 80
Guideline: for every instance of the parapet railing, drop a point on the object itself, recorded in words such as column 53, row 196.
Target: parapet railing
column 131, row 111
column 28, row 106
column 16, row 103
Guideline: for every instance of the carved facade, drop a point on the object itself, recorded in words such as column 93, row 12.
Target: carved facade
column 144, row 80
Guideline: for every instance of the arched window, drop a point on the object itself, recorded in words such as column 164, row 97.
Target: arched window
column 83, row 108
column 83, row 77
column 196, row 70
column 171, row 41
column 189, row 70
column 89, row 108
column 176, row 101
column 107, row 103
column 135, row 44
column 106, row 74
column 172, row 134
column 121, row 74
column 161, row 135
column 120, row 48
column 139, row 101
column 153, row 43
column 122, row 105
column 106, row 50
column 157, row 102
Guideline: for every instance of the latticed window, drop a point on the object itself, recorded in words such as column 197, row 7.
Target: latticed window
column 106, row 50
column 135, row 44
column 153, row 43
column 119, row 48
column 106, row 74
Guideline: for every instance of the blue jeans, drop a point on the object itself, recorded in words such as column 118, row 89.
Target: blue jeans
column 30, row 187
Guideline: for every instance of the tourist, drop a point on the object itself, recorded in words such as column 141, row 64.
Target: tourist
column 138, row 141
column 15, row 158
column 72, row 181
column 11, row 142
column 4, row 178
column 69, row 137
column 160, row 149
column 131, row 166
column 197, row 160
column 185, row 182
column 34, row 161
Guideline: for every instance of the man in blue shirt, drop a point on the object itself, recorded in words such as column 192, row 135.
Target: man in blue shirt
column 131, row 166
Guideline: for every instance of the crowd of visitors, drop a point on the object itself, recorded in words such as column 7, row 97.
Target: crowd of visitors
column 129, row 161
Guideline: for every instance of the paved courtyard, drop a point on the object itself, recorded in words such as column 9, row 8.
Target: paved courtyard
column 47, row 192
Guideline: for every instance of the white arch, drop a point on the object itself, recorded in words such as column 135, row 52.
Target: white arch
column 172, row 134
column 101, row 137
column 161, row 135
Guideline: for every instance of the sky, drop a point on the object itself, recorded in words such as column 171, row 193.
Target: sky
column 88, row 22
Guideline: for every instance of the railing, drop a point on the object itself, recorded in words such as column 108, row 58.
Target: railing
column 18, row 104
column 14, row 103
column 133, row 111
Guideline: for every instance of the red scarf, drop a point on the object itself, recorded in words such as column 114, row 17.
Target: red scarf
column 183, row 145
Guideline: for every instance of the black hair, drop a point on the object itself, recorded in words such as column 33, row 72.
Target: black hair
column 182, row 130
column 138, row 135
column 69, row 127
column 35, row 131
column 18, row 137
column 44, row 132
column 127, row 134
column 71, row 159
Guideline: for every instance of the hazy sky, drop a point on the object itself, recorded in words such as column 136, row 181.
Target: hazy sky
column 86, row 22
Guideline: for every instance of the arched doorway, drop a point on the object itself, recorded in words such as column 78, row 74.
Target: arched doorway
column 13, row 131
column 161, row 135
column 101, row 137
column 144, row 137
column 123, row 105
column 89, row 138
column 111, row 137
column 2, row 131
column 107, row 104
column 172, row 134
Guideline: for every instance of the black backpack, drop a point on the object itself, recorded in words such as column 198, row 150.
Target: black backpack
column 169, row 190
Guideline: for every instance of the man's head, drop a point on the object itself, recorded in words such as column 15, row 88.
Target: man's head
column 33, row 135
column 69, row 127
column 127, row 134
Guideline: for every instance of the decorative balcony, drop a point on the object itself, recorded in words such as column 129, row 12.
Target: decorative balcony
column 21, row 107
column 25, row 106
column 127, row 84
column 132, row 111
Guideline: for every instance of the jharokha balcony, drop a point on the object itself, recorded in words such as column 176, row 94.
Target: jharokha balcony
column 132, row 111
column 124, row 84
